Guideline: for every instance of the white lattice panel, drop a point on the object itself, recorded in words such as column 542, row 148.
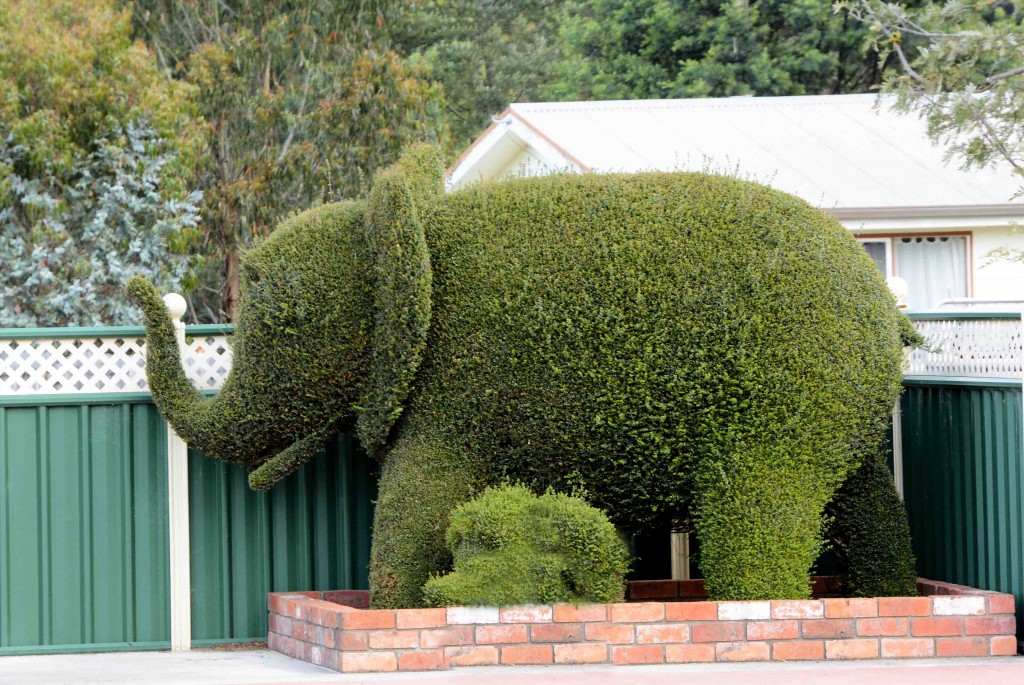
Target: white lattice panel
column 51, row 366
column 969, row 347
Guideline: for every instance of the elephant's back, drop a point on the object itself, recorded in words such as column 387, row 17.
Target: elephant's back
column 577, row 317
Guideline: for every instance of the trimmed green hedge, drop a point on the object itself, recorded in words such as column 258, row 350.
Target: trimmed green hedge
column 684, row 349
column 510, row 546
column 871, row 534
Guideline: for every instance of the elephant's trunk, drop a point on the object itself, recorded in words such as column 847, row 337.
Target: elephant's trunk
column 205, row 423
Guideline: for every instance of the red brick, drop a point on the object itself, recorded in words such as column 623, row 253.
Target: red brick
column 962, row 646
column 1004, row 645
column 990, row 625
column 638, row 654
column 471, row 655
column 300, row 629
column 933, row 627
column 851, row 608
column 324, row 613
column 851, row 649
column 351, row 640
column 277, row 623
column 662, row 633
column 646, row 612
column 357, row 599
column 368, row 662
column 742, row 651
column 723, row 631
column 904, row 606
column 773, row 630
column 527, row 654
column 798, row 650
column 907, row 647
column 421, row 618
column 368, row 619
column 653, row 589
column 570, row 613
column 394, row 639
column 497, row 634
column 525, row 614
column 446, row 637
column 799, row 608
column 689, row 654
column 556, row 632
column 581, row 654
column 609, row 632
column 691, row 611
column 326, row 636
column 282, row 603
column 876, row 627
column 827, row 628
column 1001, row 604
column 423, row 660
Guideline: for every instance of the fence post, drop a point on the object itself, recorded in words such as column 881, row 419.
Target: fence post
column 177, row 496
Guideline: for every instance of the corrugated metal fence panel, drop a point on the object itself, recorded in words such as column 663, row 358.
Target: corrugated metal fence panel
column 964, row 484
column 310, row 532
column 83, row 528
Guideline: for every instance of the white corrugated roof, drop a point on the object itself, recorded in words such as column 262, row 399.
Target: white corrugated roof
column 835, row 151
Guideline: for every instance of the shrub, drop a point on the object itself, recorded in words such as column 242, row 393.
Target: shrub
column 686, row 349
column 513, row 547
column 871, row 534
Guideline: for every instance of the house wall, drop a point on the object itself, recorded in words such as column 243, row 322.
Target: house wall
column 997, row 279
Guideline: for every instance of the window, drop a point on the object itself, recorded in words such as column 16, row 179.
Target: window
column 934, row 266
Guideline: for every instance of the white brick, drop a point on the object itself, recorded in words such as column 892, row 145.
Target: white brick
column 464, row 615
column 740, row 611
column 943, row 605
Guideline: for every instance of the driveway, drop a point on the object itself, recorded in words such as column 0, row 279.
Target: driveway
column 265, row 668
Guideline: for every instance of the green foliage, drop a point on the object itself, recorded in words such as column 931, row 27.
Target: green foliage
column 401, row 311
column 661, row 48
column 94, row 143
column 485, row 54
column 685, row 349
column 513, row 547
column 304, row 101
column 960, row 66
column 871, row 534
column 300, row 348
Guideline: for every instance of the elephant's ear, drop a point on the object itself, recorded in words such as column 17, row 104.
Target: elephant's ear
column 398, row 252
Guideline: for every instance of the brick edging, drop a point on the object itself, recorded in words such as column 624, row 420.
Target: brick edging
column 332, row 629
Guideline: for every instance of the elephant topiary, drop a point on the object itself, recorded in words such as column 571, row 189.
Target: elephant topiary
column 685, row 349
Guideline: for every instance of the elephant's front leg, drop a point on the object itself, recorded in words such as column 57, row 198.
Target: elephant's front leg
column 423, row 478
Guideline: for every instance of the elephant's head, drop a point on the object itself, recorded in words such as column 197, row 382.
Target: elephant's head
column 333, row 323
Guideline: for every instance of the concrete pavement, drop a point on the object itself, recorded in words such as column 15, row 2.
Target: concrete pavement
column 269, row 668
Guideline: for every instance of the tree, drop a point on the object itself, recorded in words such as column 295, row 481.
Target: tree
column 304, row 101
column 94, row 144
column 486, row 54
column 961, row 67
column 710, row 48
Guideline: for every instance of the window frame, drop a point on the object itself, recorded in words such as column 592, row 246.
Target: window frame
column 890, row 253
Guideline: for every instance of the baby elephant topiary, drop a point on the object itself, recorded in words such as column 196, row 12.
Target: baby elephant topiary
column 513, row 547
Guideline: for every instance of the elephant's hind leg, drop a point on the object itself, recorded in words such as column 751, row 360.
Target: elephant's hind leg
column 423, row 478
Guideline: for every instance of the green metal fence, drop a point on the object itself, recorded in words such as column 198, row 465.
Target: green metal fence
column 83, row 528
column 963, row 476
column 311, row 532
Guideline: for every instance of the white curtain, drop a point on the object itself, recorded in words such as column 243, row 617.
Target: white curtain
column 934, row 267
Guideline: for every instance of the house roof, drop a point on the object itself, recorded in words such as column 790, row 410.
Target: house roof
column 838, row 152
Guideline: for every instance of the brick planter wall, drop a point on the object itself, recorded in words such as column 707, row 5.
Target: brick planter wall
column 332, row 629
